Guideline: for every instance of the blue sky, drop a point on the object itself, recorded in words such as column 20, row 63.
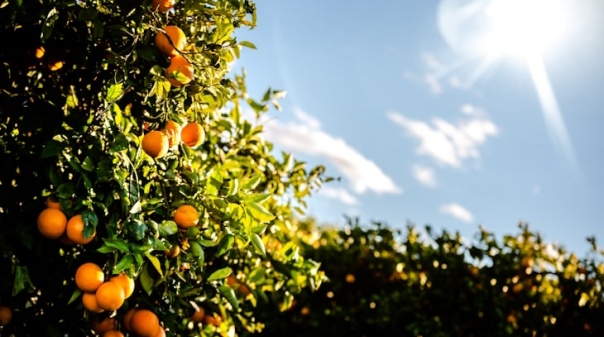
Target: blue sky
column 424, row 124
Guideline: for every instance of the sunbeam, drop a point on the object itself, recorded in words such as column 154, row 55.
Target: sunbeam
column 490, row 30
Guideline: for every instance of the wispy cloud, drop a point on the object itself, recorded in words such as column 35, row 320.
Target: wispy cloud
column 433, row 83
column 447, row 143
column 306, row 136
column 425, row 175
column 457, row 211
column 340, row 194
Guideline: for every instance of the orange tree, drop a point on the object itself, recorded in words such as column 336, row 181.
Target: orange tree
column 124, row 147
column 417, row 282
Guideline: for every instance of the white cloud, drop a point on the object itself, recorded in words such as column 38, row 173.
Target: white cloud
column 449, row 144
column 340, row 194
column 425, row 175
column 457, row 211
column 306, row 136
column 433, row 84
column 431, row 61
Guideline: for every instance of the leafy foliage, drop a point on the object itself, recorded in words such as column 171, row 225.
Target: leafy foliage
column 416, row 282
column 78, row 94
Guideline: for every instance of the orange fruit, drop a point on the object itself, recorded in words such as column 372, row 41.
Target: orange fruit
column 171, row 40
column 110, row 296
column 155, row 144
column 101, row 325
column 51, row 203
column 160, row 332
column 186, row 216
column 214, row 320
column 125, row 282
column 162, row 5
column 128, row 318
column 198, row 315
column 113, row 333
column 89, row 277
column 40, row 51
column 90, row 303
column 5, row 315
column 52, row 223
column 172, row 130
column 180, row 71
column 173, row 251
column 192, row 135
column 75, row 230
column 144, row 323
column 54, row 66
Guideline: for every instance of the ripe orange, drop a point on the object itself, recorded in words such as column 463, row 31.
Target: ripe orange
column 192, row 135
column 180, row 71
column 155, row 144
column 125, row 282
column 160, row 332
column 89, row 277
column 75, row 230
column 214, row 320
column 40, row 51
column 113, row 333
column 90, row 303
column 144, row 323
column 162, row 5
column 171, row 41
column 128, row 318
column 198, row 315
column 5, row 315
column 54, row 66
column 172, row 130
column 52, row 223
column 173, row 251
column 51, row 203
column 186, row 216
column 110, row 296
column 102, row 325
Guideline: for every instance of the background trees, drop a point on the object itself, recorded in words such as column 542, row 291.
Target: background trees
column 113, row 131
column 419, row 282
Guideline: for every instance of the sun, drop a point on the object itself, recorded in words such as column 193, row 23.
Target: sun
column 500, row 28
column 523, row 28
column 488, row 31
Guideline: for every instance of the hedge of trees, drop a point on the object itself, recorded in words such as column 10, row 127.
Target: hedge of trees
column 419, row 282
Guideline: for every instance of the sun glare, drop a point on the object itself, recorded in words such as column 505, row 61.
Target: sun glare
column 485, row 31
column 523, row 27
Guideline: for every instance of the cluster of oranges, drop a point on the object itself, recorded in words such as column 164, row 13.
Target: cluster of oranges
column 53, row 224
column 100, row 295
column 143, row 323
column 157, row 143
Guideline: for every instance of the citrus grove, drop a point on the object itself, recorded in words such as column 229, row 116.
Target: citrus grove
column 136, row 199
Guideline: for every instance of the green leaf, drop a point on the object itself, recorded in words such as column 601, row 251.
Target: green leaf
column 257, row 276
column 259, row 212
column 146, row 280
column 257, row 198
column 230, row 296
column 220, row 274
column 90, row 222
column 247, row 44
column 258, row 244
column 88, row 164
column 113, row 245
column 21, row 280
column 168, row 227
column 52, row 148
column 253, row 182
column 123, row 264
column 225, row 244
column 74, row 296
column 155, row 262
column 207, row 243
column 65, row 190
column 136, row 229
column 114, row 92
column 119, row 144
column 136, row 208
